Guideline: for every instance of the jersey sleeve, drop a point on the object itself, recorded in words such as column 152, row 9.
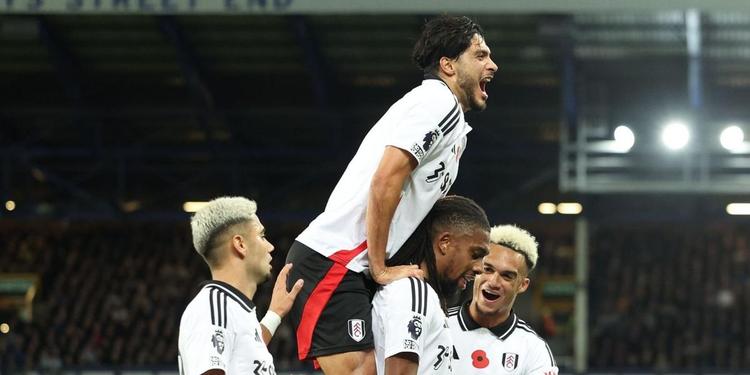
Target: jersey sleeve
column 424, row 125
column 206, row 346
column 403, row 313
column 541, row 361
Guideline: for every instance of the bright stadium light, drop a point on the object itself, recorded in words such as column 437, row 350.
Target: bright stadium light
column 193, row 206
column 10, row 205
column 569, row 208
column 4, row 328
column 675, row 135
column 732, row 138
column 547, row 208
column 624, row 138
column 738, row 208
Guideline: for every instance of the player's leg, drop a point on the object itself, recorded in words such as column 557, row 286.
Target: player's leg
column 350, row 363
column 332, row 314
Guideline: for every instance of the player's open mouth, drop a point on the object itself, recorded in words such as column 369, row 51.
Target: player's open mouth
column 489, row 296
column 483, row 85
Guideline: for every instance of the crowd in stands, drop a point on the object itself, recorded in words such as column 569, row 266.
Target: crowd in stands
column 676, row 297
column 111, row 294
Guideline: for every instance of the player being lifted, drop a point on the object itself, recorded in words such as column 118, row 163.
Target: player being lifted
column 406, row 162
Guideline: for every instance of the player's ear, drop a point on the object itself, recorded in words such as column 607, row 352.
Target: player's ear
column 442, row 242
column 524, row 285
column 447, row 66
column 239, row 246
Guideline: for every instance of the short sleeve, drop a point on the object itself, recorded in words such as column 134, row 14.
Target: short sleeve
column 403, row 316
column 541, row 361
column 423, row 126
column 205, row 346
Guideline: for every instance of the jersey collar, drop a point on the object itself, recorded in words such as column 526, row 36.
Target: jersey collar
column 428, row 76
column 432, row 77
column 502, row 330
column 233, row 292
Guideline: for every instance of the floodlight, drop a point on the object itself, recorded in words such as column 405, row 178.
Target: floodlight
column 738, row 208
column 732, row 137
column 547, row 208
column 569, row 208
column 675, row 135
column 193, row 206
column 624, row 138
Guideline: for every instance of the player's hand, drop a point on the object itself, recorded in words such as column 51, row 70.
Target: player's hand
column 281, row 300
column 391, row 274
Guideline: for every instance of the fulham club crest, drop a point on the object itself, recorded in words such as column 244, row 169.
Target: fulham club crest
column 510, row 361
column 356, row 329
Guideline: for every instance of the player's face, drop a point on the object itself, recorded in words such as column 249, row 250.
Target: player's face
column 474, row 69
column 259, row 250
column 464, row 252
column 503, row 277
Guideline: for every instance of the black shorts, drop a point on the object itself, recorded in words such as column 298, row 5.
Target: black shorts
column 332, row 313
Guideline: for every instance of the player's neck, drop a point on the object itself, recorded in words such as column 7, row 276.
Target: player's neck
column 488, row 320
column 425, row 269
column 237, row 280
column 455, row 88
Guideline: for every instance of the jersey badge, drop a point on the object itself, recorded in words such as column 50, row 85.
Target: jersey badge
column 218, row 341
column 510, row 361
column 415, row 327
column 356, row 329
column 429, row 139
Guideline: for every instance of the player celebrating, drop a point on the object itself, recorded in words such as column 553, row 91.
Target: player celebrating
column 219, row 330
column 406, row 162
column 489, row 338
column 408, row 316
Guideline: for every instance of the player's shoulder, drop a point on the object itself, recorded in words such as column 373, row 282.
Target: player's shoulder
column 217, row 297
column 407, row 286
column 409, row 293
column 525, row 330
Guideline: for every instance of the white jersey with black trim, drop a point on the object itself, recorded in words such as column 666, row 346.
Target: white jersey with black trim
column 220, row 330
column 427, row 122
column 407, row 317
column 511, row 348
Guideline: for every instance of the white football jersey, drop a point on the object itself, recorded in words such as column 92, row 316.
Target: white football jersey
column 407, row 317
column 427, row 122
column 511, row 348
column 220, row 330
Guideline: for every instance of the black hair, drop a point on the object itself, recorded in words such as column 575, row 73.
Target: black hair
column 453, row 212
column 444, row 36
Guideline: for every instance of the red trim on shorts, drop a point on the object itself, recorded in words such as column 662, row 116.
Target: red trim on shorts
column 320, row 295
column 345, row 256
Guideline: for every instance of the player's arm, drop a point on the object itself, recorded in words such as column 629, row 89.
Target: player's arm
column 281, row 303
column 385, row 193
column 403, row 363
column 541, row 361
